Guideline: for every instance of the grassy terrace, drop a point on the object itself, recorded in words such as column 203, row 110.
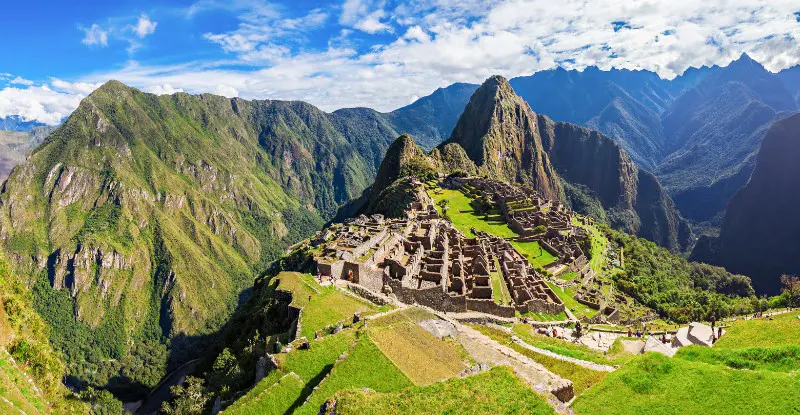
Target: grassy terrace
column 566, row 295
column 655, row 384
column 599, row 244
column 464, row 219
column 499, row 287
column 783, row 330
column 322, row 306
column 497, row 391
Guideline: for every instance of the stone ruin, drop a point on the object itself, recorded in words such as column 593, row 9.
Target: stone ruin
column 423, row 259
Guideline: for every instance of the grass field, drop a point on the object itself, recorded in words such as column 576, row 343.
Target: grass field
column 464, row 219
column 322, row 306
column 783, row 330
column 568, row 276
column 654, row 384
column 421, row 356
column 365, row 367
column 562, row 316
column 599, row 244
column 577, row 351
column 581, row 377
column 497, row 391
column 566, row 295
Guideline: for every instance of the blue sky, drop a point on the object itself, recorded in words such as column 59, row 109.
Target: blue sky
column 376, row 53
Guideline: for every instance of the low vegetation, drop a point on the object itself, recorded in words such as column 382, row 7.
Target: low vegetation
column 497, row 391
column 655, row 384
column 780, row 330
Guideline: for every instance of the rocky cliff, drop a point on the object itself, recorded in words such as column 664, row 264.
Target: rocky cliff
column 499, row 133
column 759, row 235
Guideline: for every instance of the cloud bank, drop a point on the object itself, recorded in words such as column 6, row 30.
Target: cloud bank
column 385, row 53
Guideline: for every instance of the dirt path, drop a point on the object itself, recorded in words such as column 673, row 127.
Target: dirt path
column 589, row 365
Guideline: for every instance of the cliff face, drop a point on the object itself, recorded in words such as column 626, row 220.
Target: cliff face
column 759, row 236
column 152, row 213
column 499, row 133
column 632, row 198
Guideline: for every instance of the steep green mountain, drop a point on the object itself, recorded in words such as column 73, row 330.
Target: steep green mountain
column 759, row 232
column 30, row 370
column 504, row 139
column 142, row 218
column 498, row 131
column 15, row 146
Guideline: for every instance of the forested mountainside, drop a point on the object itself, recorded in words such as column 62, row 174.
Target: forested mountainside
column 760, row 231
column 15, row 146
column 499, row 136
column 142, row 218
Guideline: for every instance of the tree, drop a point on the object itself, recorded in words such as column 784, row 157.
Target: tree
column 188, row 399
column 791, row 288
column 102, row 401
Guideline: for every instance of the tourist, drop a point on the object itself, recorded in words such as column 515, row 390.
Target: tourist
column 630, row 333
column 719, row 331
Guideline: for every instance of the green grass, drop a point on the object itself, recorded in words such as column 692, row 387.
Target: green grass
column 322, row 306
column 310, row 366
column 599, row 244
column 567, row 296
column 499, row 288
column 775, row 359
column 581, row 377
column 497, row 391
column 365, row 367
column 275, row 399
column 562, row 316
column 464, row 218
column 783, row 330
column 654, row 384
column 568, row 276
column 424, row 358
column 16, row 388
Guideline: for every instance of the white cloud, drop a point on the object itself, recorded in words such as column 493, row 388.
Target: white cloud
column 95, row 35
column 20, row 81
column 144, row 26
column 39, row 103
column 165, row 89
column 451, row 41
column 364, row 15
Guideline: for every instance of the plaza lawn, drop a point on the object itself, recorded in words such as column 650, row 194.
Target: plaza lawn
column 783, row 330
column 566, row 295
column 562, row 316
column 568, row 276
column 464, row 219
column 654, row 384
column 497, row 391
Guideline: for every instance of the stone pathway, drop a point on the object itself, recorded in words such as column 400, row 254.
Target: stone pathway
column 589, row 365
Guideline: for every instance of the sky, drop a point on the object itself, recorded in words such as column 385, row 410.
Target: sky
column 380, row 54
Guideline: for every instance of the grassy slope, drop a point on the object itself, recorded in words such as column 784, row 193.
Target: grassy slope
column 655, row 384
column 567, row 296
column 421, row 356
column 497, row 391
column 322, row 306
column 463, row 218
column 365, row 367
column 783, row 330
